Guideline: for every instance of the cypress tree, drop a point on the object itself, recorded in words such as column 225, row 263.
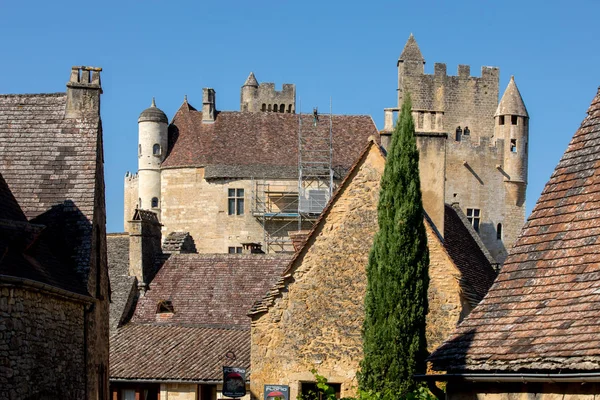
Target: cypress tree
column 394, row 341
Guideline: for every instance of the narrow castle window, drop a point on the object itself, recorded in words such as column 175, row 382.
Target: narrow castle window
column 140, row 202
column 513, row 119
column 467, row 130
column 155, row 202
column 474, row 216
column 513, row 145
column 156, row 149
column 165, row 306
column 269, row 108
column 139, row 149
column 234, row 250
column 499, row 232
column 264, row 107
column 235, row 201
column 501, row 120
column 458, row 134
column 289, row 108
column 282, row 108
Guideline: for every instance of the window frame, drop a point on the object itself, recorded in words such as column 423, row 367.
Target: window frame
column 474, row 218
column 234, row 250
column 236, row 201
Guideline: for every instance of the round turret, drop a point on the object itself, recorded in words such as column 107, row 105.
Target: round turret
column 249, row 93
column 152, row 149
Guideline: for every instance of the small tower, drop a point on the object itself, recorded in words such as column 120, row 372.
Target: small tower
column 152, row 149
column 410, row 62
column 249, row 93
column 511, row 124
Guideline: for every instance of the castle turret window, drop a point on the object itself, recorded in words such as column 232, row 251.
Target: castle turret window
column 235, row 201
column 458, row 134
column 474, row 216
column 155, row 202
column 499, row 232
column 264, row 107
column 269, row 108
column 513, row 145
column 289, row 108
column 501, row 120
column 156, row 149
column 514, row 119
column 282, row 108
column 467, row 131
column 140, row 202
column 139, row 149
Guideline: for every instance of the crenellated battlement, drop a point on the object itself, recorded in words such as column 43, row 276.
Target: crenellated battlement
column 264, row 97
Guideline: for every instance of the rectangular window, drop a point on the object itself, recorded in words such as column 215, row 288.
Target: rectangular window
column 513, row 119
column 235, row 201
column 474, row 216
column 501, row 120
column 513, row 145
column 310, row 390
column 234, row 250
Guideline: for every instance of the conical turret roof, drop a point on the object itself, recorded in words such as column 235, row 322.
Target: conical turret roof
column 512, row 102
column 411, row 51
column 153, row 114
column 251, row 81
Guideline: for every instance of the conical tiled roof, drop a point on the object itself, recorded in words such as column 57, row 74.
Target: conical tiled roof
column 512, row 102
column 411, row 51
column 542, row 313
column 154, row 114
column 251, row 81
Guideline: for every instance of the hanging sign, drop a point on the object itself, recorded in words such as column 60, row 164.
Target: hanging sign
column 234, row 382
column 277, row 392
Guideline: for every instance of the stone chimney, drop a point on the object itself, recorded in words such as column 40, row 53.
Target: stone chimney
column 144, row 247
column 83, row 92
column 252, row 248
column 209, row 107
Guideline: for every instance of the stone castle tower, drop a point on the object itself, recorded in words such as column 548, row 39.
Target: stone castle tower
column 264, row 97
column 152, row 149
column 473, row 150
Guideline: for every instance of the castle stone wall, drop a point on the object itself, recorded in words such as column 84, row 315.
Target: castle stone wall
column 130, row 199
column 41, row 345
column 317, row 320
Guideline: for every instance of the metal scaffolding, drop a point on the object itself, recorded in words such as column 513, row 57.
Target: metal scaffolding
column 286, row 205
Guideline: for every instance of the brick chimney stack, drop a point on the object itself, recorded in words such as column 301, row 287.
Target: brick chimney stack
column 83, row 92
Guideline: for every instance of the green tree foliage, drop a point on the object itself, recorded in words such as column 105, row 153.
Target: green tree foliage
column 394, row 341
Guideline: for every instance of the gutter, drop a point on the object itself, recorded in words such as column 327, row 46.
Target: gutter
column 141, row 380
column 43, row 287
column 580, row 377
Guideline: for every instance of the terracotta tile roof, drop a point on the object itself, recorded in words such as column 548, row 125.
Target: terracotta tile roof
column 151, row 352
column 265, row 144
column 469, row 255
column 543, row 312
column 49, row 163
column 209, row 289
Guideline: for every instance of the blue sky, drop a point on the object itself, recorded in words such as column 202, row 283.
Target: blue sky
column 345, row 50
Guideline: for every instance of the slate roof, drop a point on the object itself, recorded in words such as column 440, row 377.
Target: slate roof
column 177, row 353
column 211, row 295
column 512, row 102
column 123, row 287
column 49, row 163
column 411, row 51
column 543, row 311
column 265, row 144
column 469, row 254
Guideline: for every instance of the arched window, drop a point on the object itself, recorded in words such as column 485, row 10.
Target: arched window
column 282, row 108
column 269, row 108
column 264, row 107
column 156, row 149
column 140, row 203
column 155, row 202
column 499, row 232
column 458, row 134
column 467, row 131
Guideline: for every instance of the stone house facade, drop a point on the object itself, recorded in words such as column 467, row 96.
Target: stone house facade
column 535, row 334
column 474, row 148
column 54, row 289
column 231, row 177
column 313, row 317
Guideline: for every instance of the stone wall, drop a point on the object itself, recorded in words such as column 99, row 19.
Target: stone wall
column 192, row 204
column 317, row 320
column 41, row 345
column 130, row 198
column 525, row 391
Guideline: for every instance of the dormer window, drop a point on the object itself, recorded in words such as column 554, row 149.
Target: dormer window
column 164, row 307
column 156, row 149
